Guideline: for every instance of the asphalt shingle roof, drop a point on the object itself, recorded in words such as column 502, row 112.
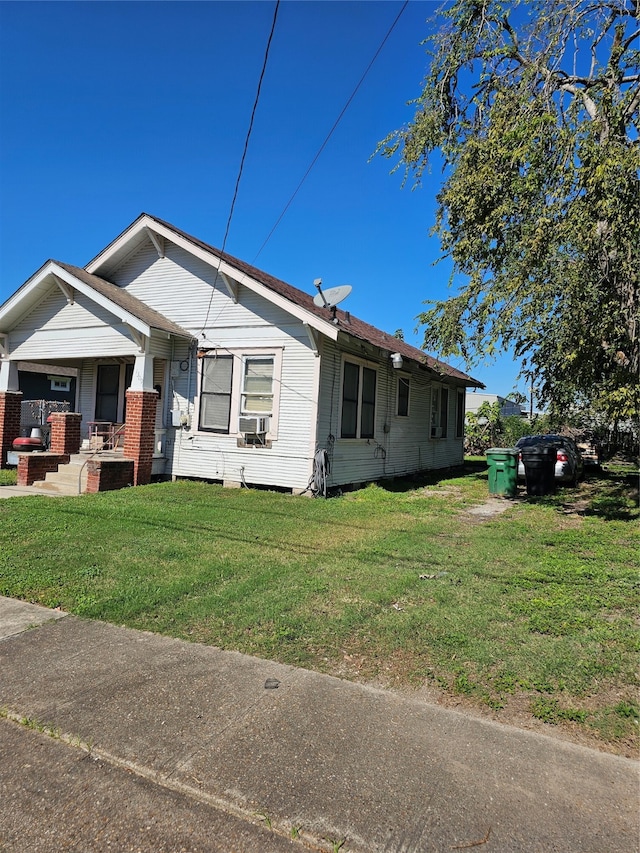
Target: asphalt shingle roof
column 126, row 300
column 347, row 323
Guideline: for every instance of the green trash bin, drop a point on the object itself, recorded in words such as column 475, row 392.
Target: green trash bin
column 503, row 470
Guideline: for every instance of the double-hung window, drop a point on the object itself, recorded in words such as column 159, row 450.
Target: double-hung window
column 215, row 393
column 439, row 411
column 236, row 384
column 257, row 385
column 358, row 401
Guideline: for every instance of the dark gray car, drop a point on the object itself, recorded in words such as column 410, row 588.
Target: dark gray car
column 569, row 464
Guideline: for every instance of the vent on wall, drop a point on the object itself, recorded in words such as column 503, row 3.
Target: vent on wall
column 253, row 426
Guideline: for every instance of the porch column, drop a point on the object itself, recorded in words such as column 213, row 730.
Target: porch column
column 65, row 432
column 139, row 433
column 9, row 422
column 9, row 375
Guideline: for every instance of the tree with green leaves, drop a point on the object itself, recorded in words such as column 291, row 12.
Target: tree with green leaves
column 533, row 106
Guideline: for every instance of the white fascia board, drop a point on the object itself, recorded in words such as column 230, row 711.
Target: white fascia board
column 140, row 225
column 322, row 326
column 326, row 328
column 14, row 305
column 123, row 315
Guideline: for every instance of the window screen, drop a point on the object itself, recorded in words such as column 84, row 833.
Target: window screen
column 257, row 388
column 215, row 398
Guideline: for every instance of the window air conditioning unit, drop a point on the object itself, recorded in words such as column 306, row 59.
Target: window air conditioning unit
column 436, row 432
column 253, row 426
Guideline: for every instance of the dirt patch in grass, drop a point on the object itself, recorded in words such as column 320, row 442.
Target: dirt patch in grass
column 489, row 509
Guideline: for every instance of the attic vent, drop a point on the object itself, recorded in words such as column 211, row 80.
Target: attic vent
column 253, row 426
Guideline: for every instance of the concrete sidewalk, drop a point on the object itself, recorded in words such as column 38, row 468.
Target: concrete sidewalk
column 22, row 491
column 162, row 745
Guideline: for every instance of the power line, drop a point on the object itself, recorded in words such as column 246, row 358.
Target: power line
column 331, row 132
column 244, row 153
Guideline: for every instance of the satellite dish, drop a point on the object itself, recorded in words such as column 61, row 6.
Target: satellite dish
column 332, row 296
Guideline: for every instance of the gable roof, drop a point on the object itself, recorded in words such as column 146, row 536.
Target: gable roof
column 343, row 322
column 110, row 296
column 123, row 299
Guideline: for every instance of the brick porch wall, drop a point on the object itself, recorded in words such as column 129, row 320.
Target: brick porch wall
column 65, row 432
column 105, row 475
column 9, row 422
column 139, row 433
column 35, row 466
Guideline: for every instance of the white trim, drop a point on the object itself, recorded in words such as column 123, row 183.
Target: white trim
column 361, row 363
column 239, row 354
column 224, row 268
column 124, row 316
column 313, row 339
column 63, row 278
column 67, row 291
column 231, row 287
column 60, row 383
column 158, row 242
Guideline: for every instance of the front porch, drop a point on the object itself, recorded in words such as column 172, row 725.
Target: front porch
column 105, row 455
column 86, row 472
column 116, row 348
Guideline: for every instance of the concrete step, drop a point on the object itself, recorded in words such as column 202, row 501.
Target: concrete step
column 65, row 480
column 52, row 487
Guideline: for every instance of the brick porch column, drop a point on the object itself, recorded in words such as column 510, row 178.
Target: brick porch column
column 9, row 422
column 139, row 433
column 65, row 432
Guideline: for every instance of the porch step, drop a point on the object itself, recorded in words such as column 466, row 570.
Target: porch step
column 71, row 479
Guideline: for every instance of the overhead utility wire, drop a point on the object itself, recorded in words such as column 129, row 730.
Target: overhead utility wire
column 330, row 134
column 244, row 154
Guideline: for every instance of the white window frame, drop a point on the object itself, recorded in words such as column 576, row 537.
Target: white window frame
column 60, row 383
column 361, row 364
column 240, row 354
column 245, row 409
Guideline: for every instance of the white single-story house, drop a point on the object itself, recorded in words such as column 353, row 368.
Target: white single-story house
column 213, row 369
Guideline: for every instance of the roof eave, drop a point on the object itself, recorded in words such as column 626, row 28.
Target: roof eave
column 214, row 260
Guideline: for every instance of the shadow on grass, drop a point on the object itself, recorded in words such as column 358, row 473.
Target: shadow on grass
column 615, row 498
column 602, row 494
column 471, row 469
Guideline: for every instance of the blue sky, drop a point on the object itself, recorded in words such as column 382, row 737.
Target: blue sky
column 111, row 109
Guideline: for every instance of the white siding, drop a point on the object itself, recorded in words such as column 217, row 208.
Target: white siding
column 185, row 290
column 401, row 445
column 286, row 464
column 57, row 329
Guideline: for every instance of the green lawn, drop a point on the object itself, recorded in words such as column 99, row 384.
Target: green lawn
column 535, row 608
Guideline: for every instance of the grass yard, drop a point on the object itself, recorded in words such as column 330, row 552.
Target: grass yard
column 529, row 615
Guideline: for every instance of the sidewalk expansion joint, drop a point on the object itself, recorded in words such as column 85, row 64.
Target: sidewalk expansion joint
column 305, row 839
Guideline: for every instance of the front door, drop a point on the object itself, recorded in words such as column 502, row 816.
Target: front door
column 112, row 382
column 107, row 392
